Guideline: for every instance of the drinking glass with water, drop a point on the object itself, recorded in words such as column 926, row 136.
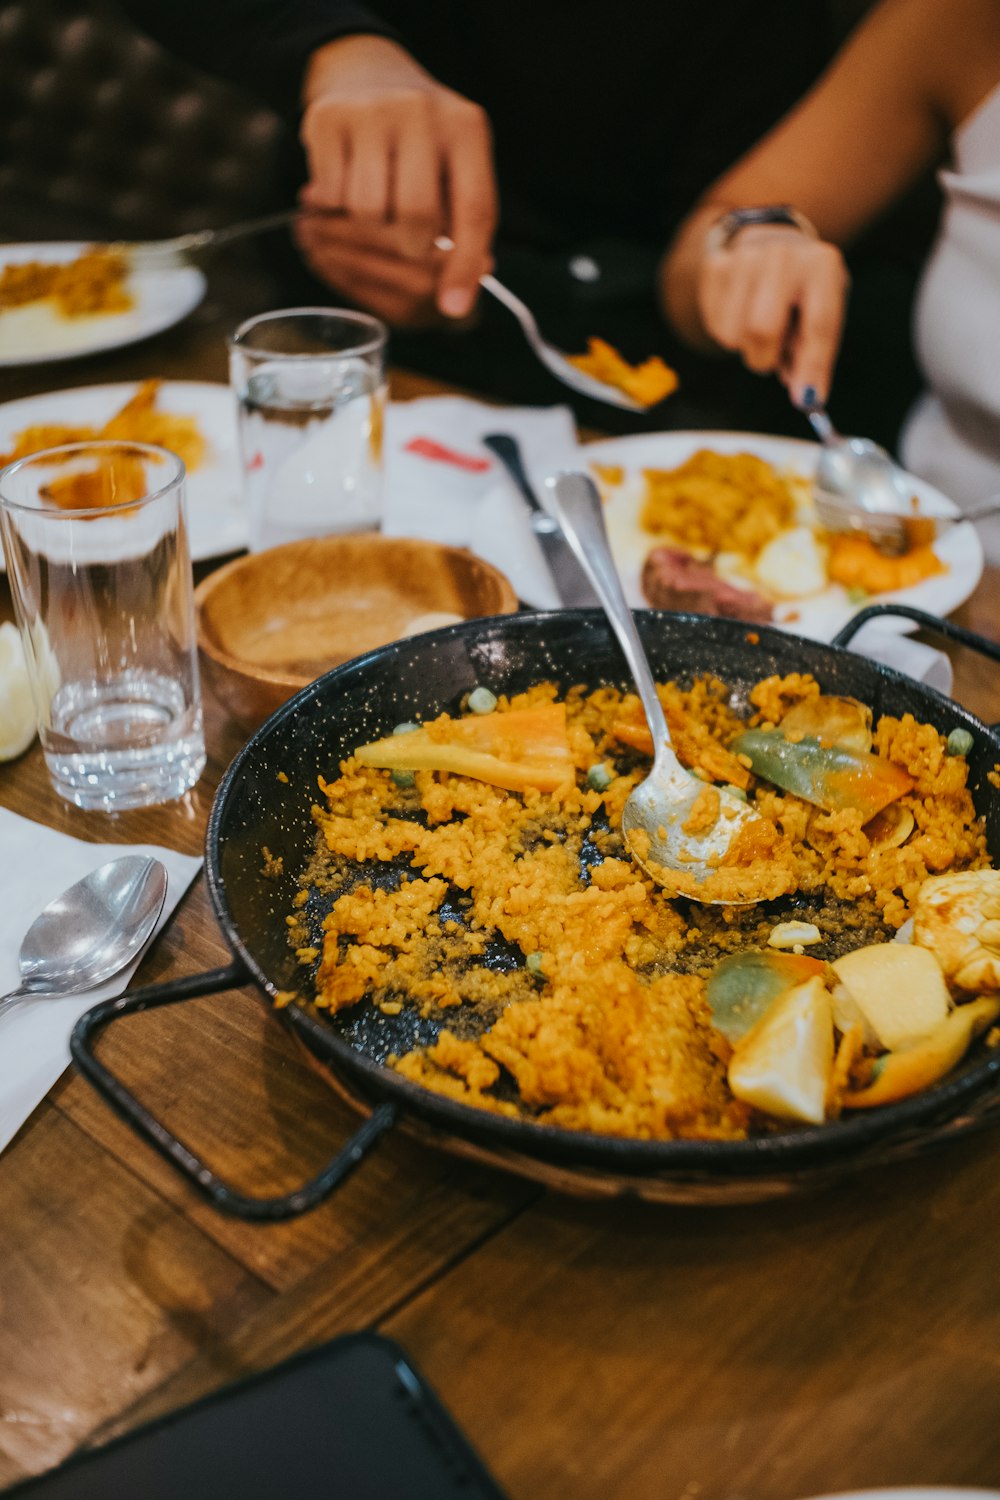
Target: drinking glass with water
column 95, row 538
column 310, row 385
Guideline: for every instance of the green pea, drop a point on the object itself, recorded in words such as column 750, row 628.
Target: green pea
column 534, row 962
column 735, row 791
column 599, row 778
column 482, row 701
column 403, row 778
column 960, row 742
column 856, row 594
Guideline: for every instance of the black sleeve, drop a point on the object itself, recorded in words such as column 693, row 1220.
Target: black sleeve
column 262, row 45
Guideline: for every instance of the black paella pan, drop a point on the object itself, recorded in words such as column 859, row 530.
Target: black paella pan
column 427, row 674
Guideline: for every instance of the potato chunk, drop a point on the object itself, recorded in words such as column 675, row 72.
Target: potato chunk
column 899, row 990
column 783, row 1065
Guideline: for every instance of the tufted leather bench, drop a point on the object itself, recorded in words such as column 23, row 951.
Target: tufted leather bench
column 103, row 134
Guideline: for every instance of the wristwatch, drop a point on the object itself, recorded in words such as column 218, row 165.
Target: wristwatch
column 725, row 230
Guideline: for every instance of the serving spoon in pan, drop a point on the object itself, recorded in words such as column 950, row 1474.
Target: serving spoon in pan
column 681, row 831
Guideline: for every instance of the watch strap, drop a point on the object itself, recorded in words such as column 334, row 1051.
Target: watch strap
column 724, row 230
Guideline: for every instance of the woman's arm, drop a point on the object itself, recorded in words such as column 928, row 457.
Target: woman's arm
column 880, row 115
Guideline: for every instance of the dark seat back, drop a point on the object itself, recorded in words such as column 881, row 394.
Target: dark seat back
column 100, row 127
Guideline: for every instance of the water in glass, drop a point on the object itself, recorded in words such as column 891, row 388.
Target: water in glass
column 312, row 459
column 104, row 603
column 310, row 383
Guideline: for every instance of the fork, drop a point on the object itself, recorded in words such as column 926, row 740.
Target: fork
column 891, row 531
column 554, row 360
column 163, row 254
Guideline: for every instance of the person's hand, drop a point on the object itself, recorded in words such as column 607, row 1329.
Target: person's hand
column 401, row 161
column 777, row 298
column 374, row 265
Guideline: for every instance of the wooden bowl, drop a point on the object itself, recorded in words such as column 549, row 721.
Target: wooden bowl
column 271, row 622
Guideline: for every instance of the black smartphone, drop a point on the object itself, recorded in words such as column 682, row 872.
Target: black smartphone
column 350, row 1420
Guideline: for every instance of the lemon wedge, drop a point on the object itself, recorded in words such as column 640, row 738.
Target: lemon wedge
column 783, row 1064
column 17, row 710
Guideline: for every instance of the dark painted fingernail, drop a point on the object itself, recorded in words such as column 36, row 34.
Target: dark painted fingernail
column 810, row 396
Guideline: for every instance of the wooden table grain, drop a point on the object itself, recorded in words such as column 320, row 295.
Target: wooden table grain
column 816, row 1344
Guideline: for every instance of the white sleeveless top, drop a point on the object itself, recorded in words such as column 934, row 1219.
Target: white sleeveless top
column 952, row 435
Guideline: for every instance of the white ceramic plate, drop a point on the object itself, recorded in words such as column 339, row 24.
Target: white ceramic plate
column 821, row 615
column 216, row 517
column 36, row 333
column 916, row 1492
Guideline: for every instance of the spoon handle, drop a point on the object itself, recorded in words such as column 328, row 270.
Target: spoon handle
column 579, row 511
column 979, row 512
column 8, row 1001
column 820, row 423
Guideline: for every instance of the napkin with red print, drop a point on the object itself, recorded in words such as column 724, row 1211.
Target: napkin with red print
column 443, row 484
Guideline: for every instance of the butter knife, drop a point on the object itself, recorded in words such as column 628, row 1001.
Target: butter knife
column 568, row 577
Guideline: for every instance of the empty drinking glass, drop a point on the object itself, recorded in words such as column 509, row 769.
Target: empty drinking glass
column 310, row 383
column 95, row 538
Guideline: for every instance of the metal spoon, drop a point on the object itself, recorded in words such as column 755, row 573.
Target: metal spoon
column 658, row 808
column 161, row 255
column 854, row 468
column 92, row 930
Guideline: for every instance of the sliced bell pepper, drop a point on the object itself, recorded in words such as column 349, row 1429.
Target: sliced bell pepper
column 742, row 986
column 828, row 776
column 914, row 1068
column 692, row 750
column 856, row 562
column 525, row 747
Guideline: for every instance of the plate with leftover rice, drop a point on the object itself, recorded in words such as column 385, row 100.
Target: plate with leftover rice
column 64, row 299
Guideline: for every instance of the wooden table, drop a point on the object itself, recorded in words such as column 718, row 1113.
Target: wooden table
column 789, row 1349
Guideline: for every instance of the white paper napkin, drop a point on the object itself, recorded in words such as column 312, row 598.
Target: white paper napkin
column 443, row 484
column 921, row 662
column 34, row 1037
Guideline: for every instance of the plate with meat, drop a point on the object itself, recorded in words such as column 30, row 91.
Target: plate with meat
column 722, row 523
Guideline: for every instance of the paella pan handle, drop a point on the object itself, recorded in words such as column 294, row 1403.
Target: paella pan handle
column 920, row 617
column 181, row 1157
